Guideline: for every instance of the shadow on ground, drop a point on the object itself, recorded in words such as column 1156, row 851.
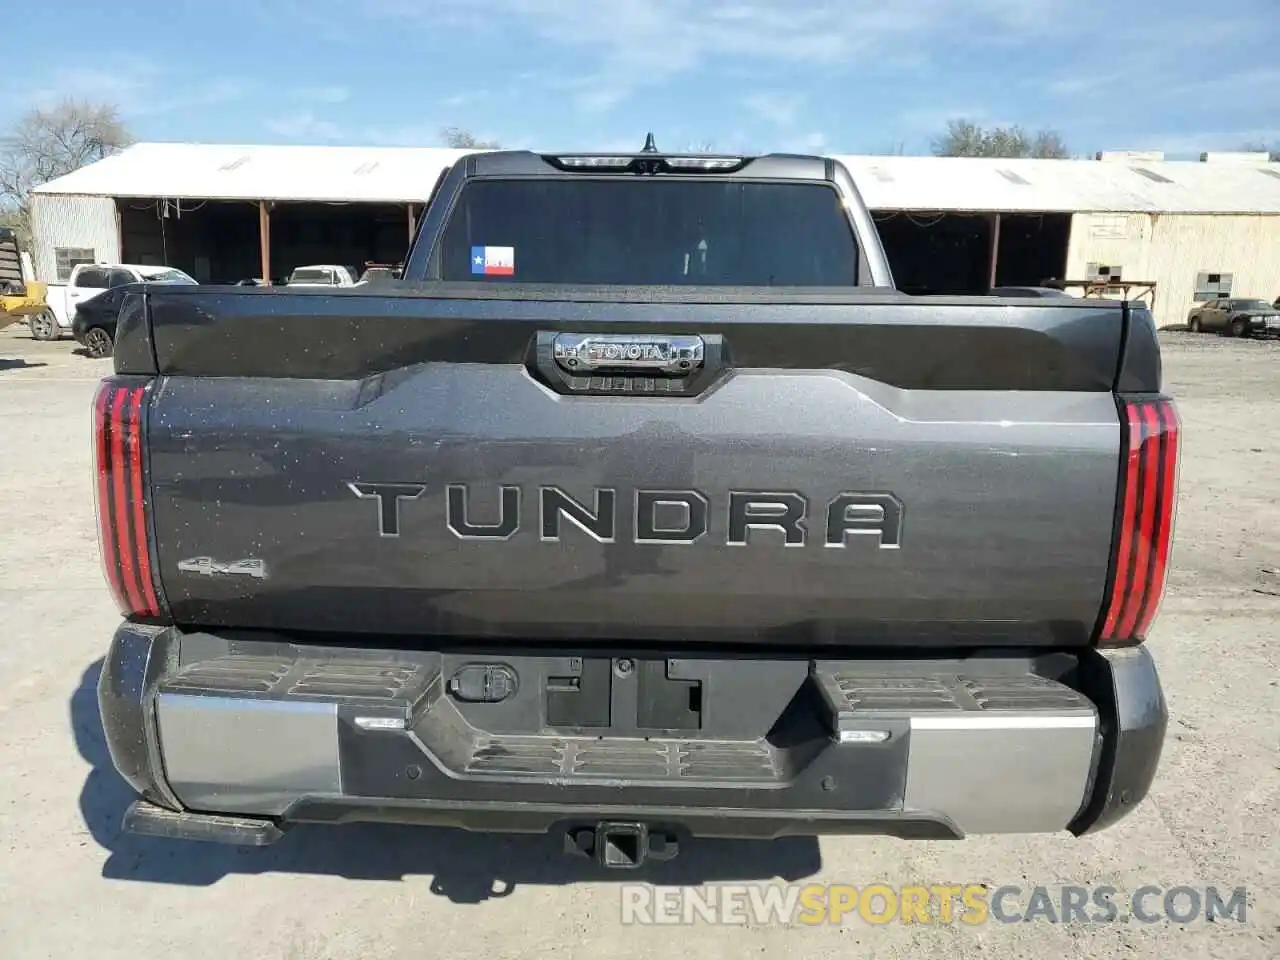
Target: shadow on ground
column 19, row 363
column 465, row 867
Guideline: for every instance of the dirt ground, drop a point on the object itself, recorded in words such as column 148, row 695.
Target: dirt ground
column 71, row 885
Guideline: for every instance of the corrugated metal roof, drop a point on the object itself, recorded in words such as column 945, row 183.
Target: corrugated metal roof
column 201, row 171
column 407, row 174
column 1067, row 186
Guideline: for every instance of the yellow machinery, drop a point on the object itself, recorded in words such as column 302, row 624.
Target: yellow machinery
column 18, row 299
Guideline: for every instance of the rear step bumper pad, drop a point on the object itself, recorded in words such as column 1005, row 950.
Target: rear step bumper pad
column 150, row 820
column 905, row 749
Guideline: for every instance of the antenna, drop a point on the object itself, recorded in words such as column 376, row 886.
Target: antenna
column 649, row 145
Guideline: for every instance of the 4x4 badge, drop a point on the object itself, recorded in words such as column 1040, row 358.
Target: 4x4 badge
column 248, row 567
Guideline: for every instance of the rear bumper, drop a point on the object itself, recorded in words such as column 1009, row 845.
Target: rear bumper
column 1258, row 325
column 271, row 734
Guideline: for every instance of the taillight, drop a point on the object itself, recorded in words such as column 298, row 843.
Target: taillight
column 120, row 495
column 1149, row 492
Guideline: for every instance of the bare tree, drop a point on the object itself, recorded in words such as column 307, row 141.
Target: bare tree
column 1049, row 145
column 1272, row 151
column 964, row 138
column 463, row 139
column 50, row 142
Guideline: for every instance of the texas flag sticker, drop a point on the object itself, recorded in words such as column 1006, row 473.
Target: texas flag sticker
column 493, row 261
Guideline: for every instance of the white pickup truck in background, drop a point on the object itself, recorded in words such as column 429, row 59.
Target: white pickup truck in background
column 88, row 280
column 322, row 275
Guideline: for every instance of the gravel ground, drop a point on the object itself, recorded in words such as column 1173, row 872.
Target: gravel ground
column 72, row 885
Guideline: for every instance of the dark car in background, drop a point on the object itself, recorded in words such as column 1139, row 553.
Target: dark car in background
column 1235, row 317
column 94, row 323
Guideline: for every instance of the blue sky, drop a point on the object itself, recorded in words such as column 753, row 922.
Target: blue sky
column 840, row 76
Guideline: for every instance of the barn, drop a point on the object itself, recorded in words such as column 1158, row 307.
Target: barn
column 1127, row 225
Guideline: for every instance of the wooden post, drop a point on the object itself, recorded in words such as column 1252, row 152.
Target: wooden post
column 413, row 222
column 995, row 249
column 264, row 239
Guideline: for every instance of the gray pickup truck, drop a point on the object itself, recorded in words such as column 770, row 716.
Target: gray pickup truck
column 643, row 508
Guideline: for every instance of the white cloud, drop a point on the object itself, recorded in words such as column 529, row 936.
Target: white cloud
column 305, row 125
column 592, row 93
column 302, row 18
column 125, row 86
column 933, row 119
column 600, row 98
column 202, row 95
column 1192, row 143
column 521, row 142
column 465, row 97
column 326, row 94
column 1173, row 97
column 635, row 43
column 1163, row 57
column 308, row 123
column 778, row 108
column 1152, row 84
column 403, row 135
column 1228, row 87
column 815, row 142
column 137, row 87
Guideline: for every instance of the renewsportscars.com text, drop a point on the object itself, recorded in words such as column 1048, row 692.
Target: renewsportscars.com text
column 970, row 904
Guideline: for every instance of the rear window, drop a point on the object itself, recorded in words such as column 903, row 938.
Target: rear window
column 168, row 276
column 302, row 275
column 650, row 232
column 93, row 277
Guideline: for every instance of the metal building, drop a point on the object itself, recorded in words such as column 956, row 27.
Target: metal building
column 1124, row 225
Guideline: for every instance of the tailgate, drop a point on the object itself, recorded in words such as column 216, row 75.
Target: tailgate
column 874, row 471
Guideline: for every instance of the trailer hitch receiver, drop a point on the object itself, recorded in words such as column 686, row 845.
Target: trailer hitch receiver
column 621, row 845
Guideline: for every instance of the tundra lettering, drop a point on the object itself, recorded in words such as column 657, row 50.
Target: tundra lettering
column 650, row 502
column 597, row 524
column 388, row 496
column 508, row 515
column 848, row 514
column 779, row 511
column 877, row 514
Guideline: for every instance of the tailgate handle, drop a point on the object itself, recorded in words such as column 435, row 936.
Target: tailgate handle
column 644, row 353
column 676, row 364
